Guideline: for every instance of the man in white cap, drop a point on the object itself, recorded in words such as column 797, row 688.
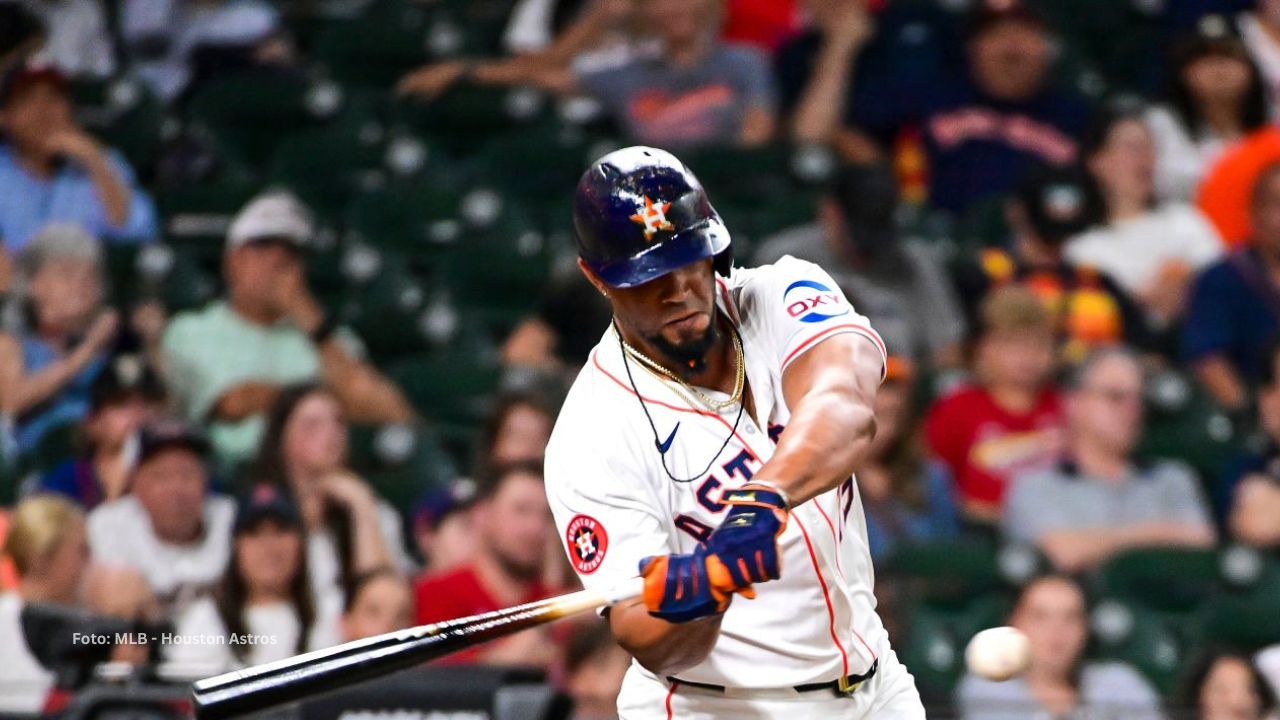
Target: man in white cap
column 227, row 362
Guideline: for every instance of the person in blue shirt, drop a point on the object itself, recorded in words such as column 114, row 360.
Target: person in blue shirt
column 125, row 396
column 1234, row 310
column 982, row 118
column 52, row 170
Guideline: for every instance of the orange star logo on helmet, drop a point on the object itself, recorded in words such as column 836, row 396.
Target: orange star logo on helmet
column 652, row 217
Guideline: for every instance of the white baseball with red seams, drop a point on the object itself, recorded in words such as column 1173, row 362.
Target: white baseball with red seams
column 614, row 505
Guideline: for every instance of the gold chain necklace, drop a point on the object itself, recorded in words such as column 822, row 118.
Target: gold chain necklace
column 664, row 374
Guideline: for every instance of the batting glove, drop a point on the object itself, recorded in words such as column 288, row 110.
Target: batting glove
column 677, row 588
column 744, row 549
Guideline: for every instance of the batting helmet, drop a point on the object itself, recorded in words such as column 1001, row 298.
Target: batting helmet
column 639, row 214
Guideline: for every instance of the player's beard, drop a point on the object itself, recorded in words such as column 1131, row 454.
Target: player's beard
column 689, row 356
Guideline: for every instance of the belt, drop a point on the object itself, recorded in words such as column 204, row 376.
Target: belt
column 839, row 686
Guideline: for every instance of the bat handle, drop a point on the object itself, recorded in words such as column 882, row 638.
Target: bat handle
column 623, row 591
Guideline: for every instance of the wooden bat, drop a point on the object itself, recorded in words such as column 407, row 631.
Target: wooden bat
column 301, row 676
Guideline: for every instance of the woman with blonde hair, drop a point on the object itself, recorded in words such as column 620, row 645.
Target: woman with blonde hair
column 49, row 550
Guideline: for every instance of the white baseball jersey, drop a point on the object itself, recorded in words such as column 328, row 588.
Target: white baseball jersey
column 614, row 504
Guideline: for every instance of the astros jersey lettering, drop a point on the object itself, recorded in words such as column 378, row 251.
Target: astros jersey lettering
column 614, row 504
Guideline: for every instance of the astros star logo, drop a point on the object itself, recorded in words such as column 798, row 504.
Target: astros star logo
column 652, row 217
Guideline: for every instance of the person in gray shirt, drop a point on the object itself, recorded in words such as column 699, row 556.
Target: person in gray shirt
column 900, row 284
column 1058, row 684
column 675, row 83
column 1099, row 500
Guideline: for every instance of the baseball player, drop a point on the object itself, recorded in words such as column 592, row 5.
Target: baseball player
column 708, row 445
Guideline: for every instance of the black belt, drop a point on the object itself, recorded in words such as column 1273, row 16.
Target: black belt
column 839, row 686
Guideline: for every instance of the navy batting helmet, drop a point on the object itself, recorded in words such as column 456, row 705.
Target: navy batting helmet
column 639, row 214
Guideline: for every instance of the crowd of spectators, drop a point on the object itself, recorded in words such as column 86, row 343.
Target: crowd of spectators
column 1095, row 238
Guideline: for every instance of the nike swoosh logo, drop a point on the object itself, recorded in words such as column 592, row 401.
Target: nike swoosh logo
column 665, row 445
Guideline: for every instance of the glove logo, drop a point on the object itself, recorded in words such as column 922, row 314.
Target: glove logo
column 588, row 542
column 820, row 303
column 652, row 217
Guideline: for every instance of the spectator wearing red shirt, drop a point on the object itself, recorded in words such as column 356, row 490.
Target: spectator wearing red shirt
column 513, row 528
column 1010, row 420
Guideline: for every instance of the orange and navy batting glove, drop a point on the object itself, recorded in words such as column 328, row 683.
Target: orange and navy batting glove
column 677, row 588
column 744, row 549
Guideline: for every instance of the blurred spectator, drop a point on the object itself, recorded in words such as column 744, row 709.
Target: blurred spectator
column 378, row 602
column 1009, row 421
column 906, row 496
column 1152, row 250
column 47, row 368
column 169, row 527
column 1216, row 96
column 981, row 128
column 51, row 169
column 766, row 25
column 1224, row 195
column 1234, row 309
column 124, row 396
column 46, row 542
column 350, row 530
column 563, row 329
column 518, row 430
column 1260, row 32
column 175, row 42
column 1226, row 686
column 1059, row 683
column 264, row 598
column 79, row 41
column 512, row 526
column 899, row 283
column 1099, row 500
column 442, row 527
column 685, row 88
column 1251, row 484
column 227, row 362
column 1091, row 310
column 594, row 667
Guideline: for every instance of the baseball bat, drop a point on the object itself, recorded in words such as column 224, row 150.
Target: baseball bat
column 271, row 684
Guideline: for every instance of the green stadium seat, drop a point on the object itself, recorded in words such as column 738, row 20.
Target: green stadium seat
column 327, row 167
column 934, row 653
column 389, row 38
column 123, row 114
column 1195, row 431
column 1164, row 580
column 1128, row 633
column 252, row 114
column 1247, row 617
column 456, row 390
column 947, row 573
column 198, row 215
column 421, row 219
column 56, row 445
column 401, row 461
column 466, row 117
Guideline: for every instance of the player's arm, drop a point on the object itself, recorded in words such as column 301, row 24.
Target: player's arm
column 831, row 391
column 663, row 648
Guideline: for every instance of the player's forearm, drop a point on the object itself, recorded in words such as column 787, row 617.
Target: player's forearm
column 663, row 648
column 825, row 440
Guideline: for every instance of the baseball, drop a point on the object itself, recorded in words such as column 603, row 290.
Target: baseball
column 998, row 653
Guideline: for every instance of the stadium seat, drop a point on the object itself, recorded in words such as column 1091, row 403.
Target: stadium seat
column 455, row 389
column 1164, row 580
column 56, row 445
column 421, row 219
column 1128, row 633
column 386, row 40
column 123, row 114
column 1194, row 431
column 1247, row 617
column 253, row 113
column 465, row 117
column 401, row 461
column 198, row 214
column 328, row 166
column 947, row 573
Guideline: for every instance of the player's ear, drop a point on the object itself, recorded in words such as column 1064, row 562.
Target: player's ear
column 593, row 278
